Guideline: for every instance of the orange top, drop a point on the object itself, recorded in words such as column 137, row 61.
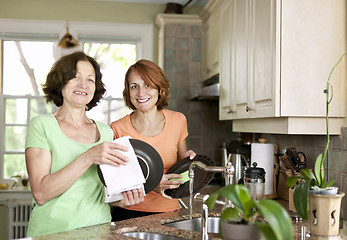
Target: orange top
column 166, row 144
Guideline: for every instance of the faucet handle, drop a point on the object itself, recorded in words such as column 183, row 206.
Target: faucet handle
column 198, row 197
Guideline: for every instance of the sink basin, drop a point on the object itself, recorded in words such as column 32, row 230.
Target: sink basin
column 195, row 224
column 151, row 236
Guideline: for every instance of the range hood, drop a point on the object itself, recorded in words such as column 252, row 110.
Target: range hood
column 209, row 90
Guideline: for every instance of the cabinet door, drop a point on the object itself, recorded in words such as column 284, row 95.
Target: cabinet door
column 262, row 59
column 239, row 48
column 226, row 78
column 211, row 31
column 253, row 79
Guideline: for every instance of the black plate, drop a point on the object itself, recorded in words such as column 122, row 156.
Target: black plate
column 150, row 163
column 201, row 177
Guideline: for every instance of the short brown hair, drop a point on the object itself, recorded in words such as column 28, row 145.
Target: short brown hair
column 154, row 76
column 63, row 71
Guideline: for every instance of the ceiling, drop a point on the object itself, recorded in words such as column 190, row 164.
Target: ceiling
column 182, row 2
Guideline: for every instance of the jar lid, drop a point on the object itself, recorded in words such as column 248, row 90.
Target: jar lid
column 255, row 172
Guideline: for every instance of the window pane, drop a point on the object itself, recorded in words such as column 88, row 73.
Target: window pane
column 114, row 60
column 118, row 110
column 16, row 111
column 15, row 138
column 38, row 106
column 28, row 72
column 13, row 164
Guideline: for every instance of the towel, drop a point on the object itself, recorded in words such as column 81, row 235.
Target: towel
column 122, row 178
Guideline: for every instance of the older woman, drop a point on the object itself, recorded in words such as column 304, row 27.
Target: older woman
column 64, row 148
column 146, row 92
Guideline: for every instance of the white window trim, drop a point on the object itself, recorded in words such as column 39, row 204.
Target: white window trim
column 144, row 32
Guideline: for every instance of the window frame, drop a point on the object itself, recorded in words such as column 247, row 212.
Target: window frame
column 141, row 34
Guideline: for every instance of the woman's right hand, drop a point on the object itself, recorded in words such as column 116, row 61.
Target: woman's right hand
column 46, row 185
column 167, row 183
column 107, row 153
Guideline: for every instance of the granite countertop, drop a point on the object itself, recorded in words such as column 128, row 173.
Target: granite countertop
column 153, row 223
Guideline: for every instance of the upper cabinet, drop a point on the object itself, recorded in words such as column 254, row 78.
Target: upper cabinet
column 210, row 39
column 275, row 58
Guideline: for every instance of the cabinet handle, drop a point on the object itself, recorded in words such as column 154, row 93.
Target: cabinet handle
column 229, row 111
column 249, row 109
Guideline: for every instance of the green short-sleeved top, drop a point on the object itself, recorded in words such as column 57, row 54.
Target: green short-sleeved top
column 83, row 203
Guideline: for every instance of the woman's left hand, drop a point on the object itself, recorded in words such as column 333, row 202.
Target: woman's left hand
column 131, row 197
column 191, row 154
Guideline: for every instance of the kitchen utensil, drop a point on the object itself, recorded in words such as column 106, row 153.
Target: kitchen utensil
column 150, row 163
column 286, row 164
column 201, row 177
column 255, row 181
column 238, row 161
column 297, row 159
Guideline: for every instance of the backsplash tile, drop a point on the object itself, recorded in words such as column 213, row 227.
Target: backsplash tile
column 312, row 146
column 183, row 69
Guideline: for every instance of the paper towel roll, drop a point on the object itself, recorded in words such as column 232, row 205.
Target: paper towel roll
column 263, row 155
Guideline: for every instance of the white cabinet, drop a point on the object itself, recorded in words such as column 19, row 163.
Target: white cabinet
column 275, row 59
column 210, row 39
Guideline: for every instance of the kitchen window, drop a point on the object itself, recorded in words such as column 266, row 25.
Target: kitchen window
column 25, row 60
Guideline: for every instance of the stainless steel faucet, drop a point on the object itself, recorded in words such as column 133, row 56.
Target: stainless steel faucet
column 228, row 172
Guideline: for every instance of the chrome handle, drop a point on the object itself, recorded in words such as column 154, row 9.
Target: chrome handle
column 249, row 109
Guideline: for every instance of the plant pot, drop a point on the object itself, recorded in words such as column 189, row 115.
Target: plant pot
column 324, row 214
column 237, row 231
column 324, row 191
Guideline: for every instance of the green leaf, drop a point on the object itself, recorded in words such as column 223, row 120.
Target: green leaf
column 307, row 174
column 246, row 201
column 300, row 197
column 328, row 184
column 211, row 201
column 291, row 181
column 318, row 170
column 237, row 194
column 230, row 214
column 277, row 218
column 266, row 230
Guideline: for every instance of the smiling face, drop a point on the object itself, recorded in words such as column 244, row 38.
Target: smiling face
column 79, row 91
column 142, row 96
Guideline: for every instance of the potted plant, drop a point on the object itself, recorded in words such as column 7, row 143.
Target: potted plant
column 309, row 184
column 263, row 216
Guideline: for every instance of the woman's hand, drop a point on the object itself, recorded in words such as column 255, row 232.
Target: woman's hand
column 182, row 151
column 191, row 154
column 166, row 183
column 131, row 197
column 106, row 153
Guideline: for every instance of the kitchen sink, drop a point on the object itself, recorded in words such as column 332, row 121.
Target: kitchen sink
column 195, row 224
column 151, row 236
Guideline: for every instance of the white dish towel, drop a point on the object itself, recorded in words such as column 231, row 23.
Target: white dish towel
column 125, row 177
